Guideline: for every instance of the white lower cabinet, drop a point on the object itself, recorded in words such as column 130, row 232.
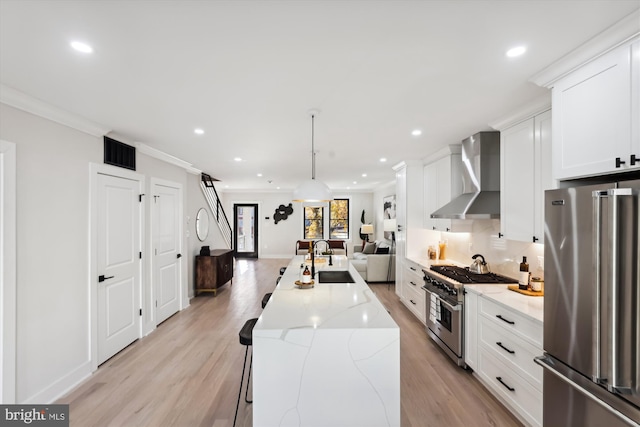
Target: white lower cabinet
column 500, row 344
column 412, row 294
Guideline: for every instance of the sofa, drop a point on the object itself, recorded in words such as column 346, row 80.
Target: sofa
column 373, row 262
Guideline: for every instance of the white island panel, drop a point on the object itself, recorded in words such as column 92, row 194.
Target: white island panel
column 326, row 356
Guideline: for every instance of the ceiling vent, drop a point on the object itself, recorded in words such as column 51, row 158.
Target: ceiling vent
column 119, row 154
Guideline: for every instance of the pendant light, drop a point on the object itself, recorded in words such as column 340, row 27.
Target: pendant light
column 312, row 190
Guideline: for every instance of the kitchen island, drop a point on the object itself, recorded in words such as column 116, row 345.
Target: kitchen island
column 325, row 356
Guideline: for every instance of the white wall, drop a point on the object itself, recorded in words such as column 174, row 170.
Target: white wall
column 278, row 240
column 52, row 209
column 502, row 255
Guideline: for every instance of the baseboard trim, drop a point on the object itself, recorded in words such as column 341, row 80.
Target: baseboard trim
column 62, row 386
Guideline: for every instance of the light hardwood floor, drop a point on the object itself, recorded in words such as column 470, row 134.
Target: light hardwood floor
column 187, row 372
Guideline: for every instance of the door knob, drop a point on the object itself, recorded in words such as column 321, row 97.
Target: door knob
column 179, row 256
column 101, row 278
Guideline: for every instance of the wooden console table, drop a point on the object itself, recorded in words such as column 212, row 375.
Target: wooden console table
column 214, row 271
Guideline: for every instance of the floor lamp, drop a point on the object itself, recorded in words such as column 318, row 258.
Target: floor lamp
column 390, row 226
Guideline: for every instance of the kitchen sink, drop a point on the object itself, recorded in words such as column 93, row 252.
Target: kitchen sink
column 332, row 276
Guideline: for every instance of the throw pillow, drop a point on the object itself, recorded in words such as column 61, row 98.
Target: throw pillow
column 382, row 250
column 369, row 248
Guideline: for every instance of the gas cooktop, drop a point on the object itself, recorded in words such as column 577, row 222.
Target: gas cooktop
column 463, row 275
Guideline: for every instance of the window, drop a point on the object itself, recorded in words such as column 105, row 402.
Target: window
column 313, row 222
column 339, row 219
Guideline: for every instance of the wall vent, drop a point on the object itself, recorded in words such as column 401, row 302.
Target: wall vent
column 117, row 153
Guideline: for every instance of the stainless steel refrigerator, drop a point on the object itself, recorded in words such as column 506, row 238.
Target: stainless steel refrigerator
column 591, row 305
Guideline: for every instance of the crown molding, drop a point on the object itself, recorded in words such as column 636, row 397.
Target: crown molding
column 24, row 102
column 622, row 32
column 524, row 112
column 443, row 152
column 167, row 158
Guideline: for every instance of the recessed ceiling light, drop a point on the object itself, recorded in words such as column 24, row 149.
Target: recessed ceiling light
column 364, row 175
column 259, row 174
column 198, row 131
column 277, row 188
column 81, row 47
column 237, row 159
column 355, row 182
column 416, row 132
column 383, row 159
column 516, row 51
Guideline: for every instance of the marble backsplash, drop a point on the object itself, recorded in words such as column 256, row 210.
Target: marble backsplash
column 502, row 255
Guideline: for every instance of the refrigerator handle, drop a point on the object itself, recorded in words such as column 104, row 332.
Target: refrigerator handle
column 547, row 364
column 597, row 301
column 615, row 382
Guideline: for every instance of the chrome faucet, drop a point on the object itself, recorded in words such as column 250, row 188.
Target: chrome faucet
column 313, row 258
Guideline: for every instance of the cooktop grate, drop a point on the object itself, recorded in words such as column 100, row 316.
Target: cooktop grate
column 463, row 275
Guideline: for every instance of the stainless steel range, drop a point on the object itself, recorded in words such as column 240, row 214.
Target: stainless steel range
column 444, row 285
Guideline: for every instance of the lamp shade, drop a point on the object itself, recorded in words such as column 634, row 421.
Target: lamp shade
column 312, row 190
column 366, row 229
column 390, row 224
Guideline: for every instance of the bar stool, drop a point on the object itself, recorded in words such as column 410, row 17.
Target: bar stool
column 265, row 299
column 246, row 339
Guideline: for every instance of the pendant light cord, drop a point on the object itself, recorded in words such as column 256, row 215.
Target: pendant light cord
column 313, row 150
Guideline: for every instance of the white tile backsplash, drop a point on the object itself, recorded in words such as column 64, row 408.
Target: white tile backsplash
column 502, row 255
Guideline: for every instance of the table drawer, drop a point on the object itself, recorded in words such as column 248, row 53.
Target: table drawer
column 512, row 320
column 517, row 392
column 515, row 352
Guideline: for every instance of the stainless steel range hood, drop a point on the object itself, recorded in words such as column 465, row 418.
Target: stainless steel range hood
column 480, row 198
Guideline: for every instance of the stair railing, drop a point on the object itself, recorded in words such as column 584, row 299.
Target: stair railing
column 211, row 195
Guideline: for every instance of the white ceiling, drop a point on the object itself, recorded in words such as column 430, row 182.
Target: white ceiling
column 248, row 72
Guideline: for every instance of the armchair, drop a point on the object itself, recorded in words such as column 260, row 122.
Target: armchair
column 338, row 247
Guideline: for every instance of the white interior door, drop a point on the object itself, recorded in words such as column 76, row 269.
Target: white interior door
column 118, row 264
column 166, row 205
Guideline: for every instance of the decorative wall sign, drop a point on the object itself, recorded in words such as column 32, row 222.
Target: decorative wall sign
column 282, row 213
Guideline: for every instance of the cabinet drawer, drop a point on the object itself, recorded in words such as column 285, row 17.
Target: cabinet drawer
column 414, row 298
column 512, row 320
column 517, row 392
column 512, row 350
column 413, row 272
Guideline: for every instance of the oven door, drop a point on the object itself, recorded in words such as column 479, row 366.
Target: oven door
column 444, row 322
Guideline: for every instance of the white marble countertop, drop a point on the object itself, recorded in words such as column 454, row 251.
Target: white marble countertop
column 325, row 356
column 427, row 263
column 530, row 306
column 326, row 305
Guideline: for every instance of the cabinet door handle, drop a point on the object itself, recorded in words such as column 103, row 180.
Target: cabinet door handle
column 499, row 316
column 412, row 283
column 500, row 235
column 535, row 239
column 411, row 268
column 619, row 162
column 499, row 344
column 412, row 302
column 504, row 384
column 633, row 160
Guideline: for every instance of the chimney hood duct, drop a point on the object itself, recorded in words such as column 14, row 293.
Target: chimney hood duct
column 480, row 198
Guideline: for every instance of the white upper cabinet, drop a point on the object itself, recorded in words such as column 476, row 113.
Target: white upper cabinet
column 525, row 161
column 442, row 182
